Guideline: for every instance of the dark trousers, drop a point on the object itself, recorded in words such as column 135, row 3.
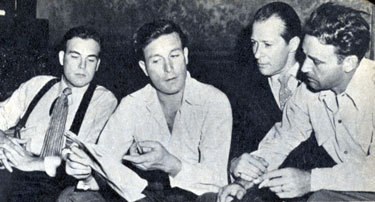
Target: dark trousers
column 37, row 186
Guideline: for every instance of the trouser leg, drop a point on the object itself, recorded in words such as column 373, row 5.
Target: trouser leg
column 326, row 195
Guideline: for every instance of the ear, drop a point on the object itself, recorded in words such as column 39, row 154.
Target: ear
column 350, row 63
column 186, row 53
column 97, row 65
column 293, row 44
column 61, row 57
column 142, row 65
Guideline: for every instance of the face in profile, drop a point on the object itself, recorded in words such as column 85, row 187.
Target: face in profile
column 80, row 61
column 321, row 66
column 165, row 63
column 270, row 49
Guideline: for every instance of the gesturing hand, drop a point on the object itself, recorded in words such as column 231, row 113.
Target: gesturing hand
column 154, row 157
column 288, row 182
column 248, row 167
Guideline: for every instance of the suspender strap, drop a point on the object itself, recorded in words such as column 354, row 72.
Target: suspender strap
column 77, row 122
column 35, row 101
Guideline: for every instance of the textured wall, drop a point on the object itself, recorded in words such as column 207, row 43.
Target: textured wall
column 211, row 24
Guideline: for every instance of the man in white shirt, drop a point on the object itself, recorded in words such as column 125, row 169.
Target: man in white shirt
column 176, row 129
column 337, row 104
column 87, row 108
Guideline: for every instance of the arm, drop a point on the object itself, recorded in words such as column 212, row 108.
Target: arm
column 211, row 172
column 286, row 135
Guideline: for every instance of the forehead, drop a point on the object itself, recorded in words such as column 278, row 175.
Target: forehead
column 312, row 46
column 163, row 44
column 268, row 29
column 83, row 46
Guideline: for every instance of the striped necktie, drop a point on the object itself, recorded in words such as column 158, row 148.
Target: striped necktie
column 54, row 138
column 285, row 93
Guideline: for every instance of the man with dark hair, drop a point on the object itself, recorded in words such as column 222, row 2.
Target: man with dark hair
column 175, row 132
column 43, row 109
column 337, row 104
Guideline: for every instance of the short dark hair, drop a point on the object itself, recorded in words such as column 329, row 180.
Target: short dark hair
column 83, row 33
column 151, row 31
column 341, row 27
column 286, row 13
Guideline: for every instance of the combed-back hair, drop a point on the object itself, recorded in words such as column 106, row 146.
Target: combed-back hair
column 151, row 31
column 286, row 13
column 342, row 27
column 83, row 33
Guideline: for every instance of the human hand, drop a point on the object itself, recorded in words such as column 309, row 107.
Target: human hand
column 78, row 164
column 288, row 182
column 249, row 168
column 153, row 157
column 230, row 192
column 19, row 158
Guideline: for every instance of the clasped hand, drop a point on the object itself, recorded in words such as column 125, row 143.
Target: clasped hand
column 151, row 155
column 78, row 163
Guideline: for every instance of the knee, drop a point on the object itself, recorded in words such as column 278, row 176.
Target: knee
column 322, row 195
column 207, row 197
column 66, row 195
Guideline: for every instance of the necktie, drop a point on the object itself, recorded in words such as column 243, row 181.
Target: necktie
column 285, row 93
column 54, row 138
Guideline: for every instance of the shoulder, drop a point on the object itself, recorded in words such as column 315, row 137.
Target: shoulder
column 36, row 83
column 137, row 98
column 207, row 94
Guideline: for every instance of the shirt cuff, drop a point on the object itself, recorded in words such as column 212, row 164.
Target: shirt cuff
column 51, row 163
column 88, row 184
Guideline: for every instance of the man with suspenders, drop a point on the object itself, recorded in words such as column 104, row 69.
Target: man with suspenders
column 35, row 118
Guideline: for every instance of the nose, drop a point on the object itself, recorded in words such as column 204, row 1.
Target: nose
column 82, row 63
column 307, row 65
column 168, row 66
column 257, row 50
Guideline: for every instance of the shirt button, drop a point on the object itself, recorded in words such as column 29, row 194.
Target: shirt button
column 339, row 121
column 345, row 152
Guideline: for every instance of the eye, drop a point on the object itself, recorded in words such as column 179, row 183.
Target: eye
column 175, row 55
column 91, row 59
column 155, row 60
column 74, row 55
column 267, row 45
column 317, row 62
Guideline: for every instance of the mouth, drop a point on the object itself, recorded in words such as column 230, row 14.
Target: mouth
column 80, row 75
column 171, row 79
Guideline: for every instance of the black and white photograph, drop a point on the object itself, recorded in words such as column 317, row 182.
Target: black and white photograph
column 187, row 100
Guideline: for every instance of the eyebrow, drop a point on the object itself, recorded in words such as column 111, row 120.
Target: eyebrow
column 75, row 52
column 158, row 55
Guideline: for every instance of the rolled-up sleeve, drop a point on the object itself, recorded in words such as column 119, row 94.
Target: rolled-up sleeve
column 286, row 135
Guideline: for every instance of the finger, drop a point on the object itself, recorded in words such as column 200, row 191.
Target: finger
column 79, row 152
column 246, row 177
column 13, row 146
column 240, row 194
column 138, row 158
column 257, row 163
column 275, row 174
column 21, row 141
column 77, row 159
column 77, row 165
column 11, row 158
column 141, row 167
column 224, row 195
column 261, row 160
column 7, row 166
column 133, row 149
column 276, row 189
column 274, row 182
column 149, row 144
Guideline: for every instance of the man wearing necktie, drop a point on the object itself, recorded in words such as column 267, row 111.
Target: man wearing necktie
column 70, row 103
column 336, row 106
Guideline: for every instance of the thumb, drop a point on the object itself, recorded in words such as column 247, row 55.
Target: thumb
column 22, row 141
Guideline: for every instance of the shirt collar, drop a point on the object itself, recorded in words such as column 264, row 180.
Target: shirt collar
column 292, row 71
column 191, row 94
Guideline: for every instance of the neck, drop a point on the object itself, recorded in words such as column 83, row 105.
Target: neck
column 172, row 101
column 343, row 83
